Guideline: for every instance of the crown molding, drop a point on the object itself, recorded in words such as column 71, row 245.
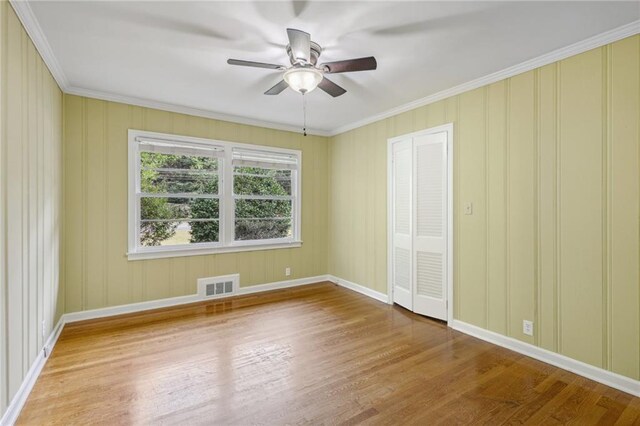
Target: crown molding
column 31, row 25
column 181, row 109
column 33, row 29
column 599, row 40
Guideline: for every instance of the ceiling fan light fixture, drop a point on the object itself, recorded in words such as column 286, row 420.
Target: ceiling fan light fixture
column 303, row 80
column 305, row 74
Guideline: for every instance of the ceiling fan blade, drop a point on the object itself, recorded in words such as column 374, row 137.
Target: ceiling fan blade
column 254, row 64
column 300, row 43
column 350, row 65
column 331, row 88
column 277, row 89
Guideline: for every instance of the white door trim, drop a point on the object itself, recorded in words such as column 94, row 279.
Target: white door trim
column 449, row 129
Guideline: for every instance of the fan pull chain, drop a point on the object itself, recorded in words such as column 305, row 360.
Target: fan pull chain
column 304, row 115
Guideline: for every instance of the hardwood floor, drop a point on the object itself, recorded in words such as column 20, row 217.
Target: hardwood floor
column 317, row 354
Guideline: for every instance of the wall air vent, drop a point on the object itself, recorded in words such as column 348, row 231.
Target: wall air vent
column 216, row 287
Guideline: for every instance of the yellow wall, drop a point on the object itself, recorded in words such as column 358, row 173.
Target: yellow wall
column 550, row 160
column 30, row 194
column 96, row 270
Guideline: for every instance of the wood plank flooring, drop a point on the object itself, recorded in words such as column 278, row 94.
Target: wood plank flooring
column 318, row 354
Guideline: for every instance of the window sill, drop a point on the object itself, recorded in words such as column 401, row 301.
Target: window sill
column 161, row 254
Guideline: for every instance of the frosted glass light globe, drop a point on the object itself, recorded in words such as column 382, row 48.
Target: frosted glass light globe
column 303, row 80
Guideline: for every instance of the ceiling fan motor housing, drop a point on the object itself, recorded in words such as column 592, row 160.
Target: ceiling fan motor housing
column 316, row 50
column 305, row 74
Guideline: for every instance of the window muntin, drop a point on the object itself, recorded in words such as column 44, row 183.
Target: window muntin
column 182, row 201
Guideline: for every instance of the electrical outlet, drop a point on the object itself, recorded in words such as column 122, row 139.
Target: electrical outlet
column 287, row 271
column 44, row 328
column 527, row 327
column 468, row 208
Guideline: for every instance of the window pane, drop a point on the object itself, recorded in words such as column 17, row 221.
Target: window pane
column 172, row 233
column 170, row 220
column 258, row 181
column 263, row 229
column 263, row 219
column 168, row 173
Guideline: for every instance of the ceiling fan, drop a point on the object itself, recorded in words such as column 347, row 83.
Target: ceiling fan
column 305, row 74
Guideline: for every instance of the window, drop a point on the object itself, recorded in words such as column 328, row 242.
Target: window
column 196, row 196
column 262, row 191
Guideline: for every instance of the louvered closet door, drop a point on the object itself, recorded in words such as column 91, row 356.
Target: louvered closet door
column 430, row 225
column 401, row 265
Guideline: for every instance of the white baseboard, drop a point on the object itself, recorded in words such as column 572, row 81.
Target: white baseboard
column 600, row 375
column 130, row 308
column 617, row 381
column 359, row 288
column 13, row 410
column 608, row 378
column 282, row 284
column 182, row 300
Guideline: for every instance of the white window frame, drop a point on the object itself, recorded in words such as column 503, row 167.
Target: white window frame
column 226, row 243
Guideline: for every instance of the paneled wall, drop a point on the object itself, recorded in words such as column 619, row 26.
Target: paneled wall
column 550, row 161
column 30, row 196
column 96, row 270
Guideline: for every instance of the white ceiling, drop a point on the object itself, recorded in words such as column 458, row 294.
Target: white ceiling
column 175, row 52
